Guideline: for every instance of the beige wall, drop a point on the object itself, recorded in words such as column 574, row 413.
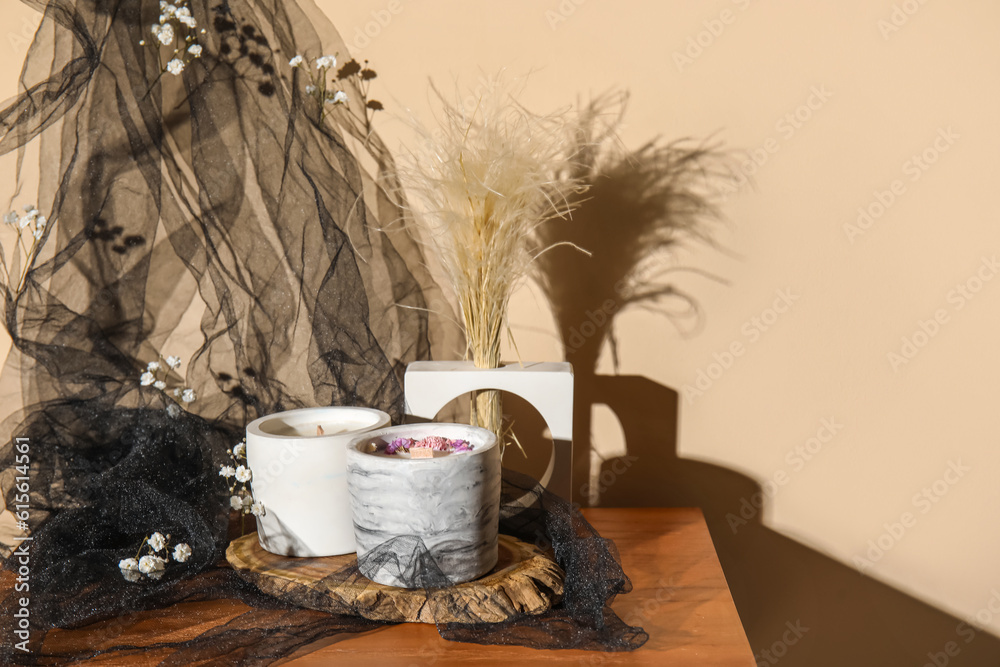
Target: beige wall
column 890, row 97
column 886, row 98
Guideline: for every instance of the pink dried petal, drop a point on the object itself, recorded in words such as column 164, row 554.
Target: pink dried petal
column 398, row 444
column 434, row 442
column 461, row 446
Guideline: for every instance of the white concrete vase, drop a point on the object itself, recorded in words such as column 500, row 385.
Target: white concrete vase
column 450, row 503
column 548, row 386
column 301, row 478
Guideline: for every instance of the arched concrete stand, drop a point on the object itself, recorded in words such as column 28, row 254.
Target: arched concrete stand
column 548, row 386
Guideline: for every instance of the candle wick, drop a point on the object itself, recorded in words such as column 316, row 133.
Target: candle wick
column 319, row 430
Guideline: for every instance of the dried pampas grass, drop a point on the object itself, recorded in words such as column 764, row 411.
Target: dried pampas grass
column 482, row 181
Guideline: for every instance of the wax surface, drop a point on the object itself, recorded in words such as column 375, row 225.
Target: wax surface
column 279, row 427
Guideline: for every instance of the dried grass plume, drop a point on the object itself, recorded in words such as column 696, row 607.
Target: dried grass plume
column 482, row 180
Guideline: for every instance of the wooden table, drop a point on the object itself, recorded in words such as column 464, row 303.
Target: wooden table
column 680, row 597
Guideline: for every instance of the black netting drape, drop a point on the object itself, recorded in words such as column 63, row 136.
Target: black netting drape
column 220, row 201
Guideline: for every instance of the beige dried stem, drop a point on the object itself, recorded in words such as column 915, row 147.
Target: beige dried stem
column 482, row 180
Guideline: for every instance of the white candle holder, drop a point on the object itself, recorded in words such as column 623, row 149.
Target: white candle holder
column 548, row 386
column 300, row 476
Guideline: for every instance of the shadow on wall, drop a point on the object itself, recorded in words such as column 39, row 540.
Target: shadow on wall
column 638, row 201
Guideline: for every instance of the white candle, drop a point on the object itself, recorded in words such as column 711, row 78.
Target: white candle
column 299, row 475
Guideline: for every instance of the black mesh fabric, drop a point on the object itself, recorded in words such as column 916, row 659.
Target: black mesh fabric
column 221, row 197
column 594, row 576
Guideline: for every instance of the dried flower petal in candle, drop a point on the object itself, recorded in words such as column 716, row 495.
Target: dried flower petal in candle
column 398, row 444
column 431, row 443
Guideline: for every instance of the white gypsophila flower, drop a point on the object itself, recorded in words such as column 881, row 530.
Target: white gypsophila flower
column 340, row 97
column 236, row 502
column 38, row 232
column 11, row 218
column 189, row 21
column 160, row 384
column 177, row 391
column 41, row 221
column 170, row 10
column 175, row 66
column 227, row 471
column 326, row 61
column 147, row 379
column 131, row 575
column 243, row 474
column 182, row 12
column 165, row 34
column 148, row 564
column 128, row 564
column 173, row 410
column 257, row 508
column 182, row 552
column 155, row 575
column 247, row 504
column 163, row 5
column 173, row 362
column 240, row 449
column 296, row 61
column 156, row 541
column 30, row 208
column 188, row 395
column 153, row 366
column 24, row 222
column 195, row 50
column 310, row 90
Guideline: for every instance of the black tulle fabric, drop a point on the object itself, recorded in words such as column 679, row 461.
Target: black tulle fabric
column 219, row 193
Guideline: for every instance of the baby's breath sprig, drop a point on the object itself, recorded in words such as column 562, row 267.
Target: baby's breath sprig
column 152, row 564
column 157, row 374
column 324, row 77
column 320, row 84
column 239, row 477
column 31, row 222
column 177, row 28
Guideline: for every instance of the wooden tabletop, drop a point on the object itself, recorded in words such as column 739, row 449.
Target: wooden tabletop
column 680, row 597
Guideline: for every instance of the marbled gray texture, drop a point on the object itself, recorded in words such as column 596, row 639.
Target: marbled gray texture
column 404, row 508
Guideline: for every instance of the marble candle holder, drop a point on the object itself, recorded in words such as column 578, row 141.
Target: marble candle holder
column 300, row 476
column 405, row 508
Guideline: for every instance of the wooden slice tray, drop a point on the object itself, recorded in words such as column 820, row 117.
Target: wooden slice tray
column 524, row 581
